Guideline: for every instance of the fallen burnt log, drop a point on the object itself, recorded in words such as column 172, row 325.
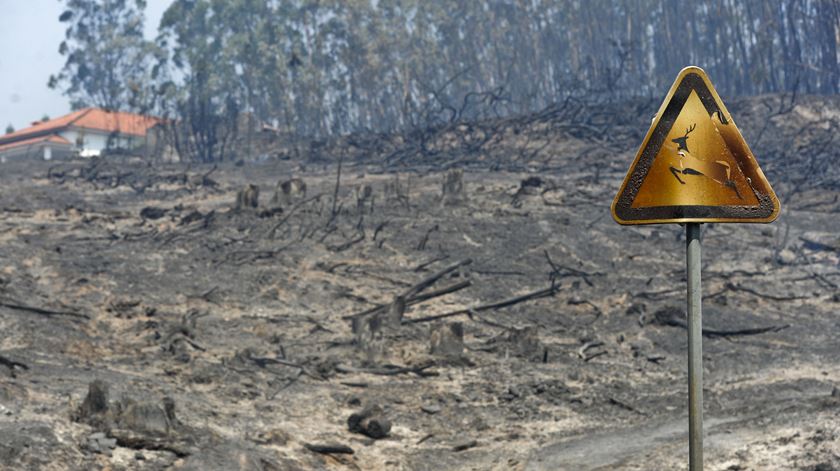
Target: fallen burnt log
column 431, row 279
column 440, row 292
column 12, row 365
column 590, row 345
column 391, row 370
column 328, row 449
column 135, row 441
column 772, row 297
column 247, row 356
column 464, row 445
column 674, row 317
column 542, row 293
column 712, row 333
column 412, row 294
column 17, row 306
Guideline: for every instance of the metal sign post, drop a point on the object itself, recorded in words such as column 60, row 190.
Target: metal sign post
column 695, row 348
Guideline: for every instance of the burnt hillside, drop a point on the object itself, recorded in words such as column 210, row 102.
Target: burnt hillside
column 467, row 280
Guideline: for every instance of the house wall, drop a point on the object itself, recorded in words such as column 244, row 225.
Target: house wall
column 89, row 143
column 94, row 142
column 38, row 151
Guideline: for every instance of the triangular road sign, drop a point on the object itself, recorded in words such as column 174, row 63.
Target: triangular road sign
column 693, row 165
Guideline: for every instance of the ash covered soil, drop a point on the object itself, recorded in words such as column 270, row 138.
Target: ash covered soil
column 146, row 322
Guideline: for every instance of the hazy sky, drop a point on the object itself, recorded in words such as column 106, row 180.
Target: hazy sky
column 29, row 37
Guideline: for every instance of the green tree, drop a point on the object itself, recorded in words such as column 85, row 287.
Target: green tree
column 10, row 129
column 108, row 63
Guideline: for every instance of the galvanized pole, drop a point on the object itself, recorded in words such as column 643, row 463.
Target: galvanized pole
column 695, row 348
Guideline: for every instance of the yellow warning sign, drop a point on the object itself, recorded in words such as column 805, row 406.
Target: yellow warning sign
column 694, row 165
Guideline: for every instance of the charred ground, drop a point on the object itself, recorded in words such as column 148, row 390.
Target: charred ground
column 224, row 339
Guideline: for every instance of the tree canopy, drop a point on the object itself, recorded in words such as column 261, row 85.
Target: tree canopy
column 325, row 67
column 108, row 62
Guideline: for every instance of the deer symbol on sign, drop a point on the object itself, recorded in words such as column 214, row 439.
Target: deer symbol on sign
column 718, row 171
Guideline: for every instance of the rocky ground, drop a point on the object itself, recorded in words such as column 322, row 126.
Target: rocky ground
column 147, row 322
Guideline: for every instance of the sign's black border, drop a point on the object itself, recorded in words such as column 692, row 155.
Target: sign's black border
column 623, row 208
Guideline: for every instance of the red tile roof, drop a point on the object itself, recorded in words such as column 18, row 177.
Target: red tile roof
column 123, row 123
column 54, row 138
column 89, row 118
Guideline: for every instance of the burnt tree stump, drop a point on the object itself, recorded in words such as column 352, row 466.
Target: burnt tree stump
column 397, row 191
column 363, row 194
column 369, row 337
column 146, row 417
column 288, row 191
column 248, row 197
column 394, row 316
column 95, row 406
column 446, row 339
column 525, row 342
column 452, row 188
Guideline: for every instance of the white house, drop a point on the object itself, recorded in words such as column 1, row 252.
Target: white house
column 85, row 132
